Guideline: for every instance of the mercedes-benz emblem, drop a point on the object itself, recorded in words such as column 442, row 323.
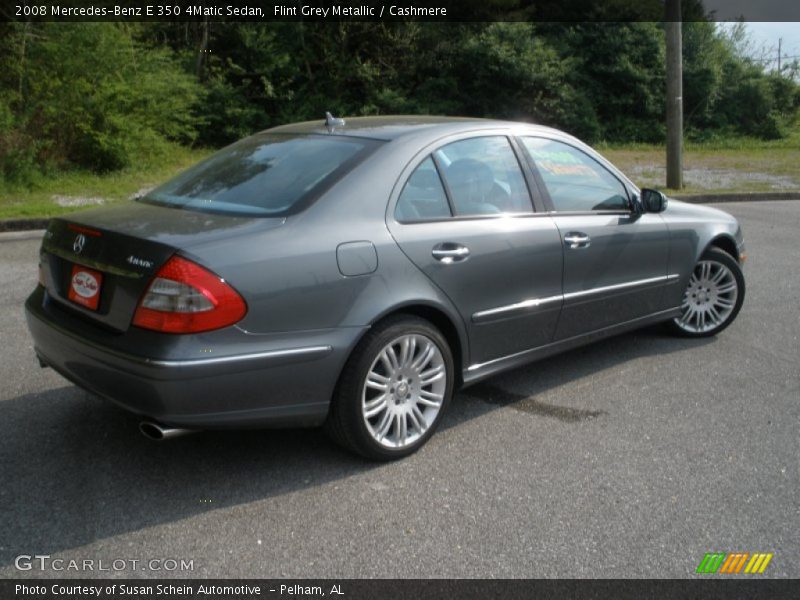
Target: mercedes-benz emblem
column 77, row 245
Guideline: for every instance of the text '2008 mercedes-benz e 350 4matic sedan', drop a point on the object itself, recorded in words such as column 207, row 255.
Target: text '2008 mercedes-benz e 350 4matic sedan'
column 353, row 275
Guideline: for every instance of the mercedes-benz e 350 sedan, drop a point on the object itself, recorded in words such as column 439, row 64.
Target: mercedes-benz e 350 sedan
column 356, row 274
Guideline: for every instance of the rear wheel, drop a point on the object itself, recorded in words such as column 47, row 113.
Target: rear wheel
column 394, row 390
column 713, row 296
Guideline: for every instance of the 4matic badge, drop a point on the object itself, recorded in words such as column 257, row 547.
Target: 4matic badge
column 139, row 262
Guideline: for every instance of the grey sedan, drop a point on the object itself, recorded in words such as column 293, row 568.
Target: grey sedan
column 353, row 275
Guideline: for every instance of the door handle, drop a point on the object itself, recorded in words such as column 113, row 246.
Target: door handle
column 450, row 252
column 576, row 239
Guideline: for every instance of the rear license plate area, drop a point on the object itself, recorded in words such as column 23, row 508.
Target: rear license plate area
column 84, row 287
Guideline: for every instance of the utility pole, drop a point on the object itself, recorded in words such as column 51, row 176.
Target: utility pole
column 672, row 24
column 780, row 41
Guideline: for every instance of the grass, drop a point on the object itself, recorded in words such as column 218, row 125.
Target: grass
column 39, row 198
column 721, row 166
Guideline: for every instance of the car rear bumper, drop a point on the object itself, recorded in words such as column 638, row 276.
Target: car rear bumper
column 267, row 381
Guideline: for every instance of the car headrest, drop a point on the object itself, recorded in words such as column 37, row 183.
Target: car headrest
column 470, row 176
column 424, row 179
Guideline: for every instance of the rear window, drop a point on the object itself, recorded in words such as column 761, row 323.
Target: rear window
column 265, row 175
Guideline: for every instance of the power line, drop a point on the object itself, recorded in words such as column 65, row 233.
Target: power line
column 770, row 60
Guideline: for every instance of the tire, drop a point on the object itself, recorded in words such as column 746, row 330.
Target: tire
column 393, row 391
column 713, row 296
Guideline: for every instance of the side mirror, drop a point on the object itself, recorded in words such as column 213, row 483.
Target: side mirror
column 653, row 201
column 637, row 208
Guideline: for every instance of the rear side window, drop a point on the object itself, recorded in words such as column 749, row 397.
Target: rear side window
column 265, row 175
column 484, row 176
column 423, row 197
column 575, row 181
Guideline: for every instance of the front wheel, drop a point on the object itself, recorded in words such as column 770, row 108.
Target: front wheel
column 713, row 296
column 393, row 391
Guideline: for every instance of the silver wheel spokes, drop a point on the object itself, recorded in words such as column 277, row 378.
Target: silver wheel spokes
column 709, row 298
column 404, row 390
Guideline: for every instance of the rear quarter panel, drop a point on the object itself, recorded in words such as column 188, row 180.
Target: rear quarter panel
column 290, row 278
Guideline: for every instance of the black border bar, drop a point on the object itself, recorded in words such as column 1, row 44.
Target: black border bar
column 392, row 10
column 728, row 588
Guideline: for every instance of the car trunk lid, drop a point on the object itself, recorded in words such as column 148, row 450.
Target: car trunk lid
column 99, row 263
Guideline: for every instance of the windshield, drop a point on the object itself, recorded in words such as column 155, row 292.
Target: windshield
column 264, row 175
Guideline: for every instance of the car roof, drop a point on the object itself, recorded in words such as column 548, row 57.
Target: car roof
column 392, row 127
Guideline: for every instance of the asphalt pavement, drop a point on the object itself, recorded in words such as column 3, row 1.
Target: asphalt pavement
column 632, row 457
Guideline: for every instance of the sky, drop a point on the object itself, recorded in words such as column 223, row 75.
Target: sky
column 767, row 22
column 765, row 35
column 754, row 10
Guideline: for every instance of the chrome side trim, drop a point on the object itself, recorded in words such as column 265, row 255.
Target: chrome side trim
column 620, row 286
column 492, row 313
column 488, row 315
column 309, row 352
column 472, row 373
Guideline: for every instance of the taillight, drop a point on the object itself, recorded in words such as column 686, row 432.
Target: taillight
column 186, row 298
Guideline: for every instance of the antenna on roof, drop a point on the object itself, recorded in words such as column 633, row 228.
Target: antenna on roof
column 332, row 122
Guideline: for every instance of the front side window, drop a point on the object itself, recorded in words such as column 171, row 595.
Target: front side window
column 575, row 181
column 264, row 175
column 483, row 177
column 423, row 197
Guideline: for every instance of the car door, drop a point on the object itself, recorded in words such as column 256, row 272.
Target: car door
column 464, row 217
column 615, row 259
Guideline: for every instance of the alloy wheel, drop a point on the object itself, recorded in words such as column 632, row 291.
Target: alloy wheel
column 403, row 391
column 709, row 299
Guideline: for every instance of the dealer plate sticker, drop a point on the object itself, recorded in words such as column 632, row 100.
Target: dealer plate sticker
column 84, row 287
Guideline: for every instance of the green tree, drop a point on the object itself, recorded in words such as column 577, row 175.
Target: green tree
column 617, row 72
column 89, row 95
column 726, row 92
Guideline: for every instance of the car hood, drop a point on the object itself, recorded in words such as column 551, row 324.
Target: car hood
column 699, row 212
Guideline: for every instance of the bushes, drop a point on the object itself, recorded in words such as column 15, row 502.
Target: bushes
column 617, row 74
column 760, row 106
column 509, row 71
column 102, row 96
column 88, row 95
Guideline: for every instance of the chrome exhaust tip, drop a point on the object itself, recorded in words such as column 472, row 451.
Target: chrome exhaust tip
column 154, row 431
